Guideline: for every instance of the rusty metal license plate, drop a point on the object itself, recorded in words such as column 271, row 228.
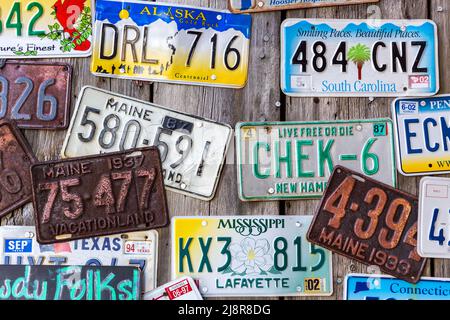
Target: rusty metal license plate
column 36, row 95
column 15, row 159
column 371, row 222
column 99, row 195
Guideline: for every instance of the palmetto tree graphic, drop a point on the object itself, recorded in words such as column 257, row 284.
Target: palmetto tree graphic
column 359, row 54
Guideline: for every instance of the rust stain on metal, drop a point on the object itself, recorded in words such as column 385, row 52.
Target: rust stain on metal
column 371, row 222
column 99, row 195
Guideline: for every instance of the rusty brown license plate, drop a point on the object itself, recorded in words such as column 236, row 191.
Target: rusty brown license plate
column 99, row 195
column 16, row 158
column 371, row 222
column 36, row 95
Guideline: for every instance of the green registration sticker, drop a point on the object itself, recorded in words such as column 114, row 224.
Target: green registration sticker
column 380, row 129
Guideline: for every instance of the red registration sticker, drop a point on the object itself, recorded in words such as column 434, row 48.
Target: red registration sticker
column 178, row 289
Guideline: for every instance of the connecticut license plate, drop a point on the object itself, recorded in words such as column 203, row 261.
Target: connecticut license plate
column 18, row 246
column 192, row 148
column 422, row 130
column 250, row 256
column 372, row 58
column 180, row 289
column 378, row 287
column 293, row 160
column 170, row 43
column 45, row 28
column 370, row 222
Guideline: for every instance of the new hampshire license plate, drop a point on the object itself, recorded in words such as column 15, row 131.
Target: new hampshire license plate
column 170, row 43
column 293, row 160
column 45, row 28
column 250, row 256
column 372, row 58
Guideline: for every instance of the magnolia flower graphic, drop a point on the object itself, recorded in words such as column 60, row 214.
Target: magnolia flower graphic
column 251, row 257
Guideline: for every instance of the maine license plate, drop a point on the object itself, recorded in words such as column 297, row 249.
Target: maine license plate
column 422, row 130
column 293, row 160
column 243, row 6
column 170, row 43
column 192, row 148
column 45, row 29
column 180, row 289
column 370, row 222
column 250, row 256
column 18, row 246
column 371, row 58
column 378, row 287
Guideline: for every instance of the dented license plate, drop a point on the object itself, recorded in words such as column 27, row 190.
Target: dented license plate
column 98, row 195
column 180, row 289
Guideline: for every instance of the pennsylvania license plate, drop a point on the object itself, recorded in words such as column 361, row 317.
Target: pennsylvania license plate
column 244, row 6
column 45, row 28
column 293, row 160
column 422, row 130
column 370, row 222
column 364, row 58
column 250, row 256
column 170, row 43
column 180, row 289
column 192, row 149
column 378, row 287
column 18, row 246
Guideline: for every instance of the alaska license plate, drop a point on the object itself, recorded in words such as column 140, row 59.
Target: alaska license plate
column 378, row 287
column 170, row 43
column 180, row 289
column 422, row 130
column 370, row 222
column 249, row 6
column 192, row 149
column 45, row 28
column 18, row 246
column 364, row 58
column 98, row 195
column 250, row 256
column 293, row 160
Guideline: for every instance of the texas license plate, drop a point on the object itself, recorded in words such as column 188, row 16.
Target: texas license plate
column 36, row 95
column 365, row 58
column 370, row 222
column 244, row 6
column 422, row 130
column 45, row 29
column 293, row 160
column 378, row 287
column 170, row 43
column 180, row 289
column 250, row 256
column 192, row 149
column 98, row 195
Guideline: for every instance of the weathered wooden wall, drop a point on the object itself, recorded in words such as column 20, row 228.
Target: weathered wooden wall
column 261, row 100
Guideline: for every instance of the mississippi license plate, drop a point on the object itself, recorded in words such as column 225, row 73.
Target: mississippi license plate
column 40, row 282
column 364, row 58
column 422, row 130
column 250, row 256
column 378, row 287
column 293, row 160
column 244, row 6
column 192, row 149
column 36, row 95
column 98, row 195
column 170, row 43
column 18, row 246
column 45, row 29
column 180, row 289
column 370, row 222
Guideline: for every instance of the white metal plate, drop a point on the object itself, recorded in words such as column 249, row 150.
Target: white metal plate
column 180, row 289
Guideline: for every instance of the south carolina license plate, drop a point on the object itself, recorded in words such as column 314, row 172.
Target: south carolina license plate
column 18, row 245
column 180, row 289
column 378, row 287
column 192, row 148
column 170, row 43
column 293, row 160
column 250, row 256
column 45, row 28
column 422, row 130
column 372, row 58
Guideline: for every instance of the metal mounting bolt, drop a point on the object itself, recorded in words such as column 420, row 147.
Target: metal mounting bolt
column 271, row 191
